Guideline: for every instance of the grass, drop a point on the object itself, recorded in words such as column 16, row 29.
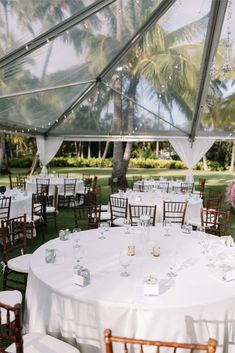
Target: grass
column 216, row 180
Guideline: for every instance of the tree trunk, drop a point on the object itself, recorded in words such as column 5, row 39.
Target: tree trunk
column 104, row 154
column 131, row 113
column 205, row 166
column 2, row 148
column 44, row 70
column 76, row 148
column 99, row 149
column 157, row 149
column 117, row 114
column 231, row 169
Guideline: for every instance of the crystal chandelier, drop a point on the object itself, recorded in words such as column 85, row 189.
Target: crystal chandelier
column 226, row 69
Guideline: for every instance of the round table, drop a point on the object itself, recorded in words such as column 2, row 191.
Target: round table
column 21, row 202
column 31, row 185
column 157, row 197
column 191, row 307
column 154, row 184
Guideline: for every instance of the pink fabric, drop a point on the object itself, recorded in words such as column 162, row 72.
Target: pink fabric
column 230, row 193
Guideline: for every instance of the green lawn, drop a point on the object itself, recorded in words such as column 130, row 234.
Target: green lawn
column 217, row 180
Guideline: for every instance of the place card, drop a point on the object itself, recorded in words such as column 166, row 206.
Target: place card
column 151, row 286
column 82, row 277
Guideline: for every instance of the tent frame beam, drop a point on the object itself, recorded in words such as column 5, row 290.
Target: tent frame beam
column 218, row 9
column 54, row 32
column 156, row 15
column 146, row 109
column 41, row 90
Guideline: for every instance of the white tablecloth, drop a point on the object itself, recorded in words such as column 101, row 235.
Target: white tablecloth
column 193, row 306
column 157, row 197
column 21, row 203
column 31, row 185
column 149, row 183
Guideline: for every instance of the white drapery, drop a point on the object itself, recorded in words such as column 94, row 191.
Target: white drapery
column 191, row 153
column 47, row 149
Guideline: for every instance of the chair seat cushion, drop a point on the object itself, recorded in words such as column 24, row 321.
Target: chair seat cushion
column 118, row 222
column 9, row 297
column 19, row 263
column 50, row 209
column 29, row 218
column 104, row 208
column 105, row 216
column 41, row 343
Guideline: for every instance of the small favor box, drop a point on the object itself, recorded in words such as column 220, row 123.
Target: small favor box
column 151, row 286
column 187, row 229
column 50, row 256
column 82, row 277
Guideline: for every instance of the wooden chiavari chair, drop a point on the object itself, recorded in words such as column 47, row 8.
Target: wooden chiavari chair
column 11, row 333
column 136, row 211
column 118, row 210
column 215, row 222
column 174, row 211
column 129, row 344
column 13, row 237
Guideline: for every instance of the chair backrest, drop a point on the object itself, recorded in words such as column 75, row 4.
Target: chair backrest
column 11, row 327
column 201, row 186
column 86, row 217
column 136, row 211
column 174, row 211
column 13, row 181
column 39, row 204
column 94, row 183
column 13, row 235
column 21, row 181
column 187, row 187
column 55, row 198
column 42, row 185
column 214, row 221
column 163, row 185
column 69, row 186
column 5, row 207
column 213, row 199
column 130, row 343
column 118, row 207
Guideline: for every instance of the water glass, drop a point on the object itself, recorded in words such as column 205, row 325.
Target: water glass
column 127, row 225
column 125, row 262
column 101, row 230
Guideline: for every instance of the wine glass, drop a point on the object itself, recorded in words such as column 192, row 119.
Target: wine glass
column 167, row 225
column 101, row 230
column 173, row 262
column 76, row 235
column 127, row 224
column 77, row 254
column 125, row 262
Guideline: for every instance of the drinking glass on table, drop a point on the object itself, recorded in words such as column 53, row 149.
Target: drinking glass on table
column 167, row 226
column 125, row 262
column 78, row 254
column 173, row 263
column 101, row 230
column 127, row 225
column 76, row 235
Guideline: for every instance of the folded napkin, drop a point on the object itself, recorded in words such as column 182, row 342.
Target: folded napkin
column 229, row 275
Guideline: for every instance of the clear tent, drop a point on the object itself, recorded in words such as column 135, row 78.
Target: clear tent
column 165, row 67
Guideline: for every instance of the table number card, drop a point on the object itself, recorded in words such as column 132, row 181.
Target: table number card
column 151, row 286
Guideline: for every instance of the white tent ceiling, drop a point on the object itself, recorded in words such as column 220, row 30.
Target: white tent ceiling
column 118, row 69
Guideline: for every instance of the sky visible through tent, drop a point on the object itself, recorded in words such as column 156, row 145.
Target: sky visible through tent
column 157, row 80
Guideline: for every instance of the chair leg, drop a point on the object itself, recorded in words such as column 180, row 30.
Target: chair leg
column 5, row 272
column 55, row 221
